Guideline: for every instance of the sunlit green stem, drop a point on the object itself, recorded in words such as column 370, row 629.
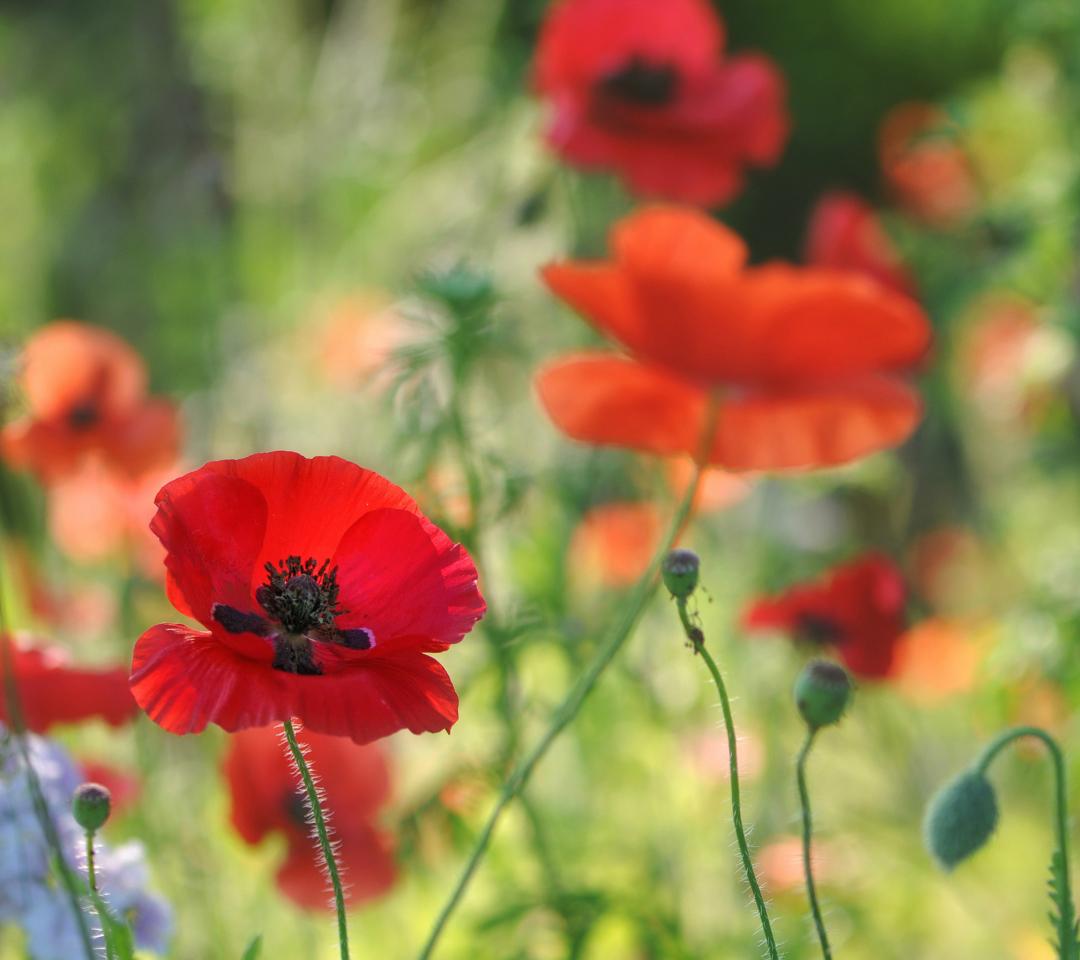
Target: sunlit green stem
column 567, row 710
column 95, row 897
column 807, row 830
column 693, row 632
column 324, row 838
column 1067, row 944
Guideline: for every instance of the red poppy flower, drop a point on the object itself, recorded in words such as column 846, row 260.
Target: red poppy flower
column 87, row 392
column 858, row 609
column 641, row 88
column 52, row 691
column 845, row 233
column 321, row 587
column 807, row 361
column 267, row 797
column 614, row 542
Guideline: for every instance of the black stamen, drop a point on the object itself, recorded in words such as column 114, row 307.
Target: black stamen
column 641, row 83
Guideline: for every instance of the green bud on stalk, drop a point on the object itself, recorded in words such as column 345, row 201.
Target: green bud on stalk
column 960, row 818
column 680, row 572
column 822, row 693
column 91, row 804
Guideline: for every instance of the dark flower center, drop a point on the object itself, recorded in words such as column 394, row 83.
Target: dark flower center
column 298, row 597
column 301, row 603
column 83, row 416
column 641, row 83
column 295, row 805
column 818, row 630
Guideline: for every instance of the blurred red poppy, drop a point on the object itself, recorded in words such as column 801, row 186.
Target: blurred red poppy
column 86, row 390
column 53, row 691
column 807, row 362
column 845, row 233
column 925, row 166
column 642, row 88
column 267, row 797
column 321, row 586
column 857, row 609
column 614, row 542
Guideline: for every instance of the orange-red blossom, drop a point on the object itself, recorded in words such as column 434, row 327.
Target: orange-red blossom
column 808, row 363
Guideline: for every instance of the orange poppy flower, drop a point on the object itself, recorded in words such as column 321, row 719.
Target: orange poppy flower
column 807, row 362
column 86, row 390
column 614, row 542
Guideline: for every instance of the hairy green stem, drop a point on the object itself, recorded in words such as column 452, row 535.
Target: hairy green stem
column 693, row 632
column 324, row 838
column 566, row 712
column 1068, row 945
column 807, row 829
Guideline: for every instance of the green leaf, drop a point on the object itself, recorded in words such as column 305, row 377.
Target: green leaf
column 1063, row 916
column 254, row 949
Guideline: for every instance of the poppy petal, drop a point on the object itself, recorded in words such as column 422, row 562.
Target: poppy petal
column 365, row 857
column 397, row 582
column 213, row 528
column 310, row 502
column 185, row 679
column 815, row 427
column 602, row 398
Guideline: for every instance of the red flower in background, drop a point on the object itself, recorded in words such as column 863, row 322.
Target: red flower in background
column 925, row 166
column 321, row 587
column 86, row 390
column 857, row 609
column 640, row 87
column 845, row 233
column 267, row 798
column 808, row 362
column 52, row 691
column 614, row 542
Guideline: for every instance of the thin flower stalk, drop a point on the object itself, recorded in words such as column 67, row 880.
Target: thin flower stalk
column 807, row 829
column 324, row 837
column 569, row 708
column 697, row 638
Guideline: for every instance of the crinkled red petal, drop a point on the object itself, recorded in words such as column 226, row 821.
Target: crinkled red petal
column 401, row 576
column 185, row 679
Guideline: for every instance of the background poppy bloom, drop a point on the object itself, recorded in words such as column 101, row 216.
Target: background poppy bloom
column 807, row 361
column 640, row 87
column 845, row 233
column 86, row 390
column 52, row 691
column 857, row 609
column 321, row 586
column 267, row 798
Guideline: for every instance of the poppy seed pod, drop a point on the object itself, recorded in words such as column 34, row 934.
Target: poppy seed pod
column 680, row 572
column 822, row 693
column 90, row 805
column 960, row 818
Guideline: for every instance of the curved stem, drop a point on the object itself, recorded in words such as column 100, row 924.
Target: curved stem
column 695, row 635
column 1067, row 945
column 324, row 838
column 807, row 828
column 566, row 711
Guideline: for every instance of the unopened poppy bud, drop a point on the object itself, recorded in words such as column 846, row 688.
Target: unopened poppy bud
column 822, row 693
column 680, row 572
column 91, row 804
column 960, row 818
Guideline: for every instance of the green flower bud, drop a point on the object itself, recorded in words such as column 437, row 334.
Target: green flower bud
column 960, row 818
column 91, row 804
column 680, row 571
column 822, row 692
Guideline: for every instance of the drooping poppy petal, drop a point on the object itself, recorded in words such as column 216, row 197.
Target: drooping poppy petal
column 53, row 691
column 641, row 88
column 604, row 399
column 185, row 679
column 857, row 609
column 267, row 798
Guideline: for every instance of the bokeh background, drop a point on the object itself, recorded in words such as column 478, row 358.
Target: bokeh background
column 320, row 223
